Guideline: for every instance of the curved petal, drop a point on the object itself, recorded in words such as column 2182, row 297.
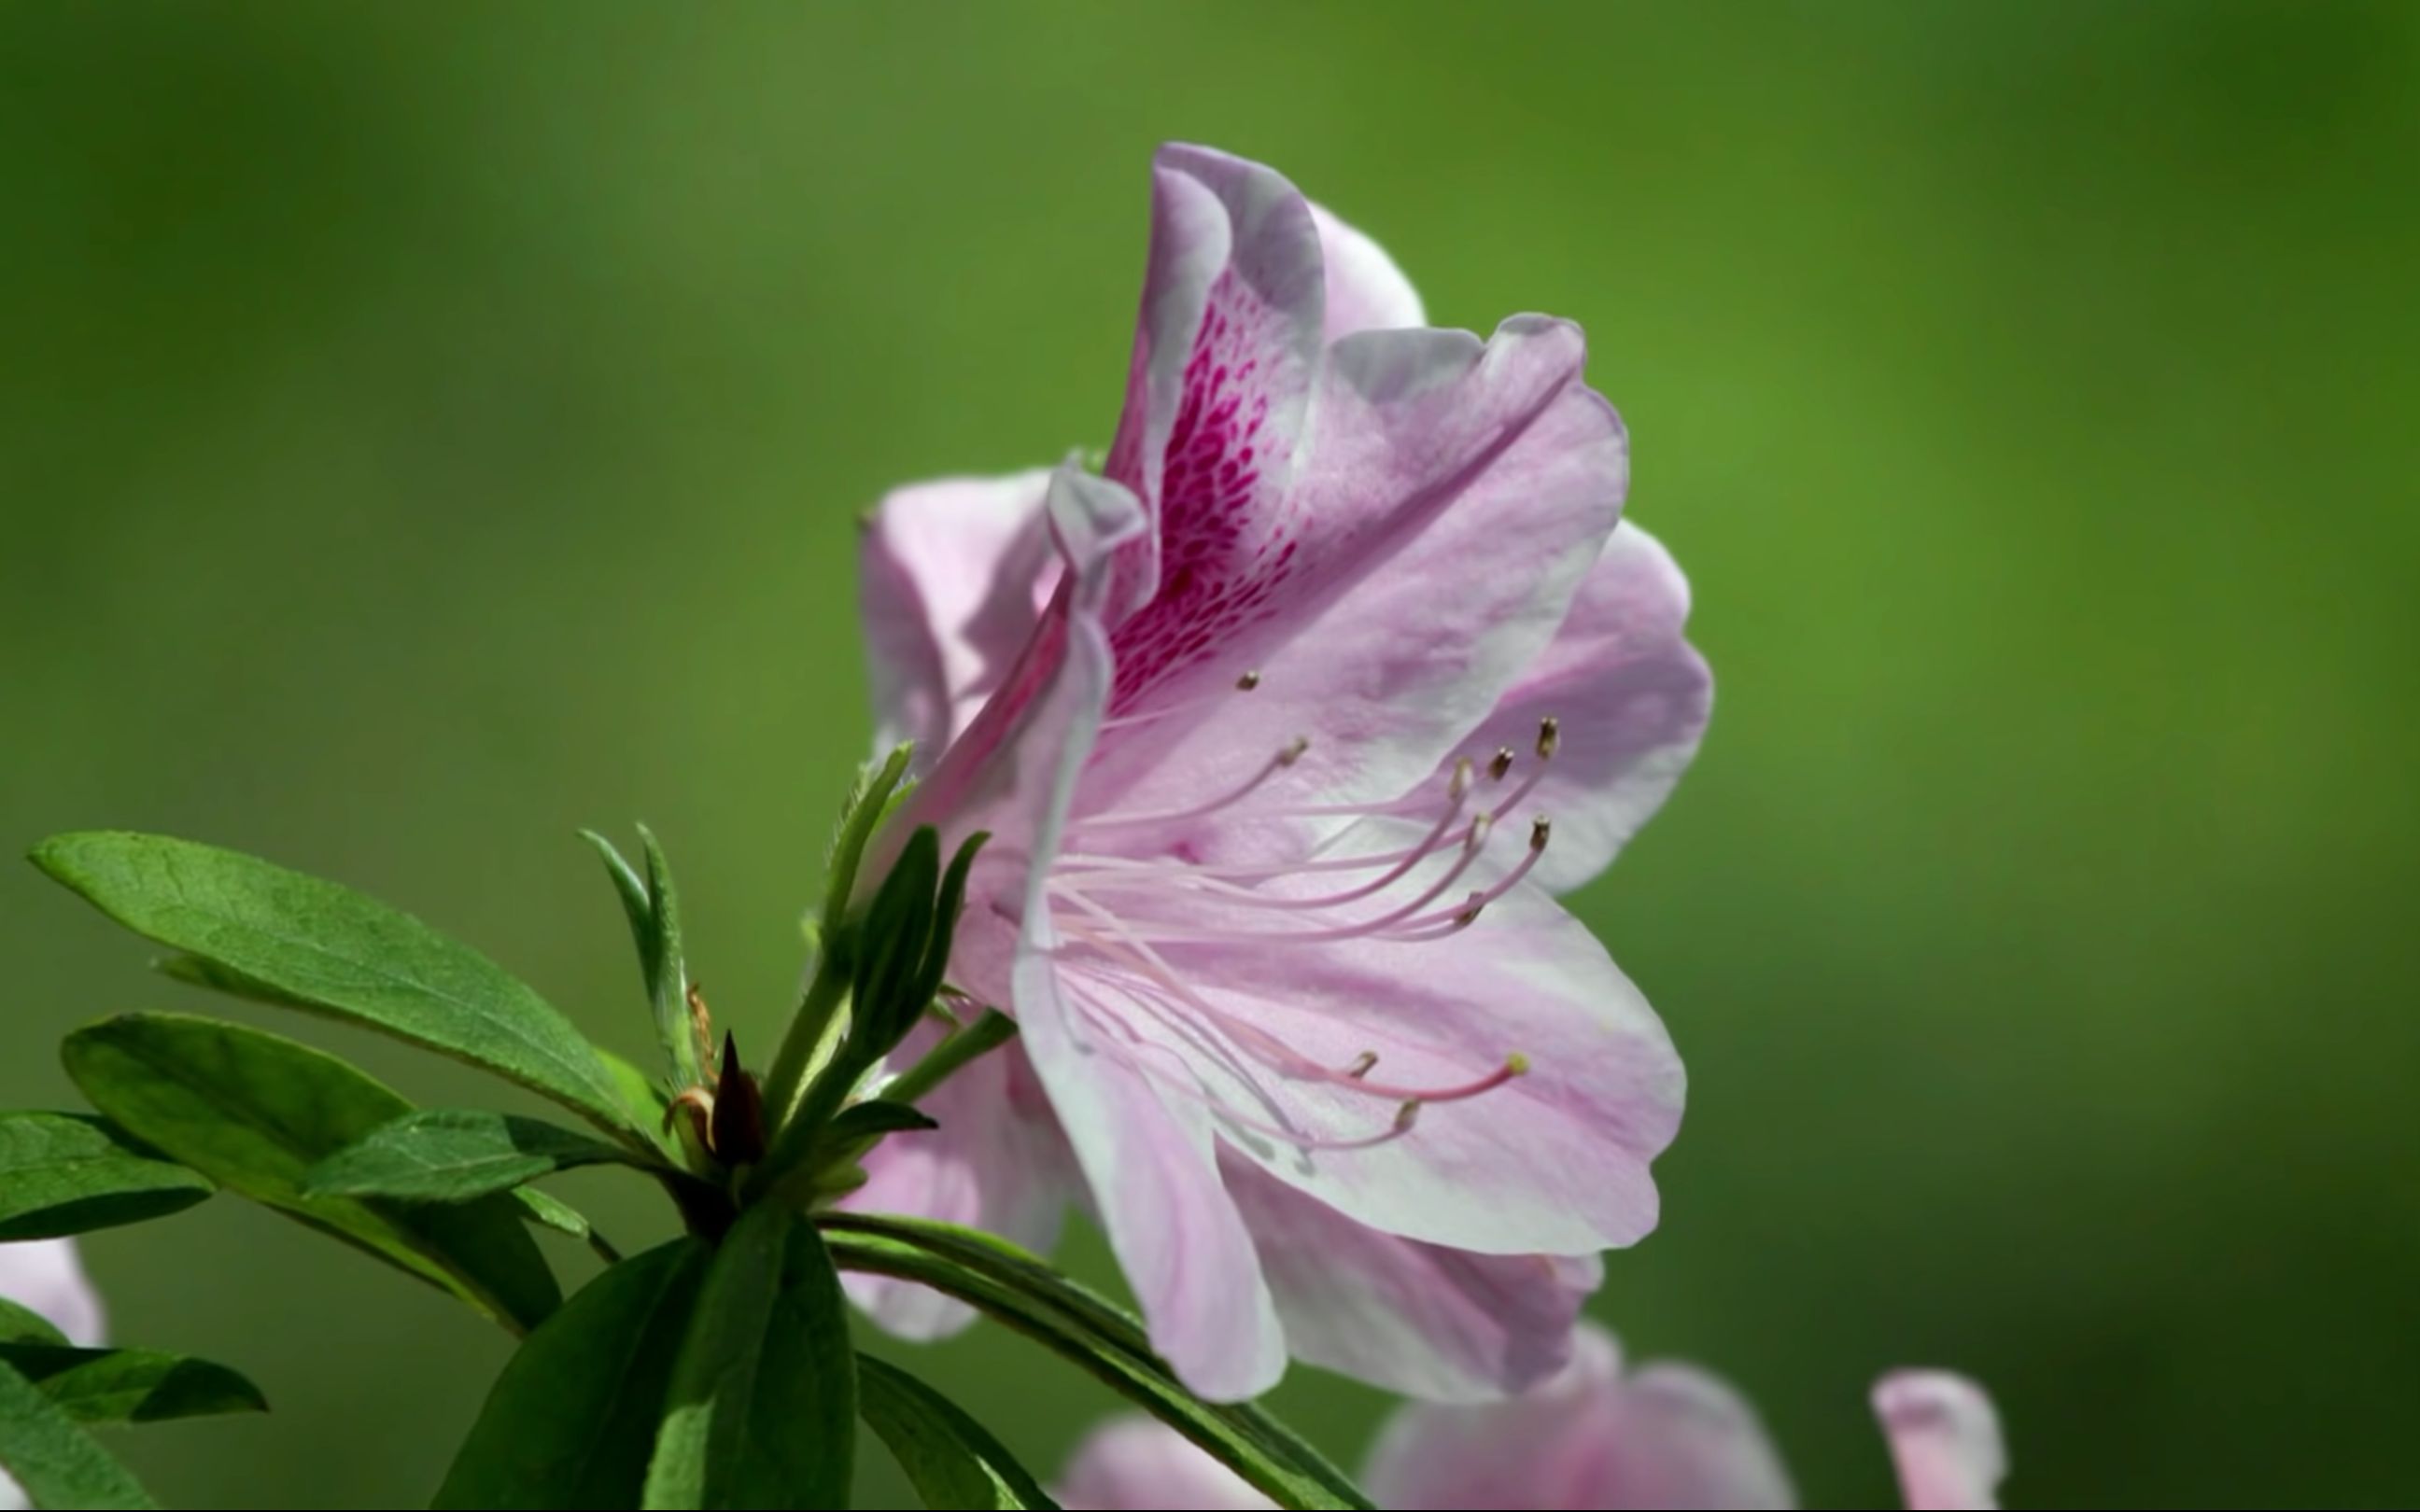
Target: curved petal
column 1151, row 1163
column 997, row 1163
column 1438, row 1324
column 1151, row 1166
column 47, row 1275
column 999, row 773
column 1139, row 1464
column 1312, row 1055
column 1366, row 291
column 1457, row 494
column 1630, row 698
column 1230, row 334
column 1944, row 1438
column 1668, row 1437
column 952, row 579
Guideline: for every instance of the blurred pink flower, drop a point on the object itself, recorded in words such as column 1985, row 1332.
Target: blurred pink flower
column 1266, row 723
column 1593, row 1437
column 46, row 1276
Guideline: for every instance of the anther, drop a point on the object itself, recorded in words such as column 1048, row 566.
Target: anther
column 1407, row 1115
column 1248, row 682
column 1517, row 1063
column 1550, row 734
column 1481, row 828
column 1294, row 750
column 1471, row 910
column 1460, row 786
column 1501, row 763
column 1363, row 1064
column 1539, row 828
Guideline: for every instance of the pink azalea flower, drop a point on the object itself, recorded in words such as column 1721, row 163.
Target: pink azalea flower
column 1594, row 1438
column 1288, row 728
column 45, row 1275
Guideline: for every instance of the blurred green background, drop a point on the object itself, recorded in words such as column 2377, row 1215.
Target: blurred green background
column 428, row 430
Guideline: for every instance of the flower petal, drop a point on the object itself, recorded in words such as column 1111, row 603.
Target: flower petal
column 999, row 773
column 1153, row 1170
column 1945, row 1437
column 47, row 1275
column 1631, row 698
column 1366, row 291
column 1438, row 1324
column 1668, row 1437
column 1458, row 493
column 952, row 579
column 1151, row 1166
column 997, row 1163
column 1139, row 1464
column 1551, row 1161
column 1229, row 337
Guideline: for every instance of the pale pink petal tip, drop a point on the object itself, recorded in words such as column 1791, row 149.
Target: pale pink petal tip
column 1945, row 1437
column 1131, row 1464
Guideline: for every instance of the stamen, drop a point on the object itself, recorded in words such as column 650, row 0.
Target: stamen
column 1501, row 763
column 1266, row 1047
column 1541, row 830
column 1290, row 752
column 1550, row 740
column 1243, row 685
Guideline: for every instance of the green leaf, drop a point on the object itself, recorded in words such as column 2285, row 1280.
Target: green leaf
column 571, row 1421
column 61, row 1173
column 869, row 804
column 944, row 929
column 454, row 1155
column 20, row 1324
column 654, row 908
column 871, row 1119
column 255, row 1112
column 547, row 1210
column 891, row 948
column 641, row 1093
column 1017, row 1290
column 307, row 942
column 58, row 1463
column 763, row 1401
column 949, row 1457
column 131, row 1385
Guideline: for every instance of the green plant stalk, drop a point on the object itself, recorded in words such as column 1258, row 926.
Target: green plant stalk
column 1107, row 1346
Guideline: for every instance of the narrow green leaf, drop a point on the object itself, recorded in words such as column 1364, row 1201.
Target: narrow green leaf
column 944, row 929
column 210, row 976
column 547, row 1210
column 1020, row 1291
column 255, row 1112
column 20, row 1324
column 310, row 942
column 58, row 1463
column 653, row 905
column 890, row 954
column 643, row 1095
column 949, row 1457
column 871, row 1119
column 62, row 1173
column 131, row 1385
column 869, row 803
column 454, row 1155
column 571, row 1421
column 764, row 1400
